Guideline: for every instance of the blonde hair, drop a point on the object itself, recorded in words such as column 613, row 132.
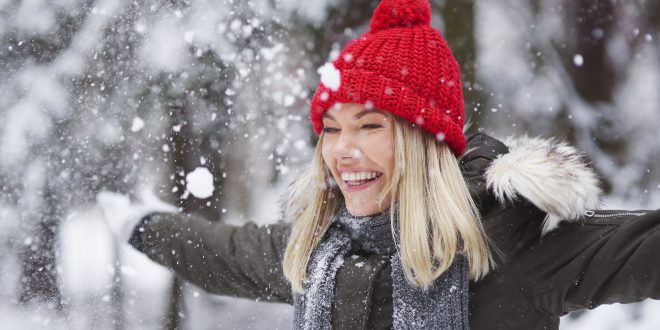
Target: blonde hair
column 437, row 216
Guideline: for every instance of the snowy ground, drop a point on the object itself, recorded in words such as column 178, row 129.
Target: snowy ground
column 617, row 317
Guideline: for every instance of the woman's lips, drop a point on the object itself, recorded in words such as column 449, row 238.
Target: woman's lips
column 353, row 188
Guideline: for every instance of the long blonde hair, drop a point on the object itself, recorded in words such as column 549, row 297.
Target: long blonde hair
column 437, row 216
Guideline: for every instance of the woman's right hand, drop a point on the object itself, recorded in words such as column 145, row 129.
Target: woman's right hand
column 122, row 215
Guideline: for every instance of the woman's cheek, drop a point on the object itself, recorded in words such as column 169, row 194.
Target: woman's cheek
column 375, row 139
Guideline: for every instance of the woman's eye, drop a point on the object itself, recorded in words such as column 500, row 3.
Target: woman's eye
column 329, row 130
column 371, row 126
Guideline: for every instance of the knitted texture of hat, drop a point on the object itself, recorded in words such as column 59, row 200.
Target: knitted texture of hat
column 404, row 66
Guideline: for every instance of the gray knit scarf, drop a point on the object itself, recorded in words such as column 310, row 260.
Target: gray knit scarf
column 444, row 305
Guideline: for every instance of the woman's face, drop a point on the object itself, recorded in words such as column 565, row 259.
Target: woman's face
column 358, row 148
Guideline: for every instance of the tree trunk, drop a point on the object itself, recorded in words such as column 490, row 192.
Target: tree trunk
column 590, row 27
column 458, row 16
column 39, row 281
column 175, row 307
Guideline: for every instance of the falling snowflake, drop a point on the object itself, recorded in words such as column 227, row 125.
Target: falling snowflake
column 199, row 183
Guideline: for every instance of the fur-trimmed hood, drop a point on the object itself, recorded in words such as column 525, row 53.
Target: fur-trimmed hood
column 552, row 175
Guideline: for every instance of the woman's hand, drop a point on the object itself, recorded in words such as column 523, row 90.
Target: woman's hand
column 121, row 215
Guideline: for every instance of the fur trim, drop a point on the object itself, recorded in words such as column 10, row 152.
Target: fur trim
column 551, row 175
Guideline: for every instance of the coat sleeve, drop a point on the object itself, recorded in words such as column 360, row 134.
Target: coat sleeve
column 609, row 257
column 239, row 261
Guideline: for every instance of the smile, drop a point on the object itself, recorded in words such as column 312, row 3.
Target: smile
column 354, row 179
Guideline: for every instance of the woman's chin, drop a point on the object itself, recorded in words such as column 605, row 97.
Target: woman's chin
column 362, row 207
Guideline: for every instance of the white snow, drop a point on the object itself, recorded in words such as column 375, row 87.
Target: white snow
column 138, row 124
column 617, row 317
column 87, row 250
column 312, row 10
column 300, row 144
column 164, row 47
column 330, row 76
column 578, row 60
column 269, row 53
column 356, row 153
column 35, row 16
column 189, row 36
column 199, row 183
column 23, row 122
column 289, row 100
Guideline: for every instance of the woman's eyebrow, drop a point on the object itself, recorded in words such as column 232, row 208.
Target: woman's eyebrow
column 366, row 112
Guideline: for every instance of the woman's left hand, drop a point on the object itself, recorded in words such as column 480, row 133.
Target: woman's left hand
column 122, row 215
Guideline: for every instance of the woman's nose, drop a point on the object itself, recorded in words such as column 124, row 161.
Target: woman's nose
column 346, row 146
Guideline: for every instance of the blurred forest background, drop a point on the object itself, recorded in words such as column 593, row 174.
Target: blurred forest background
column 114, row 95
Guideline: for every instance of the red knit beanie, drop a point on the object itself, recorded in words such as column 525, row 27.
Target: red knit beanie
column 404, row 66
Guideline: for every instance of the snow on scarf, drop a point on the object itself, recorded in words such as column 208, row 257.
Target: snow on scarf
column 444, row 305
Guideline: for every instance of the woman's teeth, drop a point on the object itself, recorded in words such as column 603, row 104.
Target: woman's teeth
column 358, row 178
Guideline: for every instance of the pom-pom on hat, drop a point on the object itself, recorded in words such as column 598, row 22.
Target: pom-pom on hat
column 404, row 66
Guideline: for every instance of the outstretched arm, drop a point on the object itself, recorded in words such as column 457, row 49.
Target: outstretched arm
column 535, row 196
column 239, row 261
column 608, row 257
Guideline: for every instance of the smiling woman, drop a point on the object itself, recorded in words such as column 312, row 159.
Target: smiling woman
column 374, row 157
column 358, row 149
column 372, row 166
column 403, row 222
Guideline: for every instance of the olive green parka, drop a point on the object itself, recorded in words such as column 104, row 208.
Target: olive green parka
column 553, row 252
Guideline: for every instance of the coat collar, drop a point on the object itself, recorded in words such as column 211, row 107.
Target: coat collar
column 552, row 175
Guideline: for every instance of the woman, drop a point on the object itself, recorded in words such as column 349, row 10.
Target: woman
column 400, row 222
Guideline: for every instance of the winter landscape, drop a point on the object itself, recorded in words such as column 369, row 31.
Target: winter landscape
column 206, row 103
